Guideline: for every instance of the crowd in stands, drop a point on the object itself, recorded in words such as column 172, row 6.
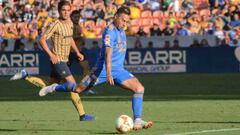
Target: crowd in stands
column 29, row 18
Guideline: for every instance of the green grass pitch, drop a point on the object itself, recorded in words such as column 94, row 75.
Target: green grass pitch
column 178, row 104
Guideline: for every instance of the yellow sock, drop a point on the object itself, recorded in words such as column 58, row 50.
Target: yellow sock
column 36, row 81
column 77, row 103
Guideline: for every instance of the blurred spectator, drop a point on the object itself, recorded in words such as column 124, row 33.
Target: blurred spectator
column 36, row 47
column 110, row 11
column 135, row 11
column 166, row 4
column 28, row 13
column 210, row 29
column 8, row 14
column 204, row 43
column 176, row 43
column 174, row 6
column 234, row 43
column 168, row 31
column 167, row 44
column 171, row 21
column 89, row 32
column 155, row 30
column 219, row 33
column 204, row 22
column 235, row 21
column 141, row 32
column 95, row 45
column 154, row 5
column 150, row 45
column 3, row 46
column 187, row 5
column 224, row 43
column 88, row 12
column 182, row 31
column 99, row 13
column 194, row 24
column 195, row 43
column 21, row 47
column 232, row 33
column 138, row 43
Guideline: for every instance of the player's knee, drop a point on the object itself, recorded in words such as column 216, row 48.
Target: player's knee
column 139, row 89
column 72, row 86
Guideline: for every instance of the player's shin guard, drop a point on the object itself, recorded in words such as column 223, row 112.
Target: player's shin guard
column 66, row 87
column 137, row 102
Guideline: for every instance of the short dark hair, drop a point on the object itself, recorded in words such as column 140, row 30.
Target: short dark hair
column 74, row 12
column 63, row 3
column 123, row 10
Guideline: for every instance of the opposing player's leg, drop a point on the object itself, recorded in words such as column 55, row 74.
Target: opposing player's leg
column 76, row 100
column 128, row 81
column 23, row 74
column 61, row 70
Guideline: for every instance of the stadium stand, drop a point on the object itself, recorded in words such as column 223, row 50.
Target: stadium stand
column 28, row 19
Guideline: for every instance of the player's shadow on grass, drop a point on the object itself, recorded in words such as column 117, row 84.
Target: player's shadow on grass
column 200, row 122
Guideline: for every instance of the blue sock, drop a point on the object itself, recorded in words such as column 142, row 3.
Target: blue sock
column 66, row 87
column 137, row 102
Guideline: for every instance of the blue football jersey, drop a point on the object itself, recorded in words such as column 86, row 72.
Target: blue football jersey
column 116, row 39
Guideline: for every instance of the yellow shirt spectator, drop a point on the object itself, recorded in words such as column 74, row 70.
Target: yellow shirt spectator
column 194, row 25
column 135, row 12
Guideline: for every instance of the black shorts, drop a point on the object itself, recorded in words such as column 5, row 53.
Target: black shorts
column 60, row 70
column 74, row 58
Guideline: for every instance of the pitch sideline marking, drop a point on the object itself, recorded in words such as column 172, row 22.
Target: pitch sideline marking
column 206, row 131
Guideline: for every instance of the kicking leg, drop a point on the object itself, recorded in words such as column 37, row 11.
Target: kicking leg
column 137, row 100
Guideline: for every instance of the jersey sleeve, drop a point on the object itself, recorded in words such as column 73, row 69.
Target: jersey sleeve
column 51, row 29
column 109, row 38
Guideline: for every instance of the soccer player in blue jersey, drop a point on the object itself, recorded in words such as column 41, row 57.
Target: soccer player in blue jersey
column 110, row 68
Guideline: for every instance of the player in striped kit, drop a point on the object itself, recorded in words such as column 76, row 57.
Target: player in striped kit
column 60, row 32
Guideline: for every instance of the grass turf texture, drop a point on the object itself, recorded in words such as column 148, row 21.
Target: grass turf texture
column 177, row 103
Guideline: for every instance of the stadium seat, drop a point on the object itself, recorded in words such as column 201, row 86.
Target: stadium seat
column 157, row 14
column 145, row 22
column 146, row 14
column 146, row 29
column 134, row 29
column 135, row 22
column 156, row 21
column 166, row 14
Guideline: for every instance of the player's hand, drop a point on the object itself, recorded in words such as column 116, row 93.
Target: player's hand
column 110, row 79
column 80, row 57
column 54, row 59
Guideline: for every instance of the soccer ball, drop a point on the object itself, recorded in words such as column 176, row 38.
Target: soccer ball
column 124, row 124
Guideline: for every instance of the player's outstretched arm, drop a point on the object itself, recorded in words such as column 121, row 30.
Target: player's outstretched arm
column 108, row 60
